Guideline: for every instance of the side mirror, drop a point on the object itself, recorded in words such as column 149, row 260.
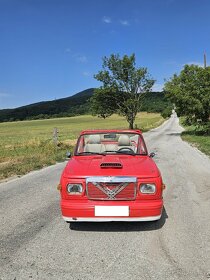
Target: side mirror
column 152, row 154
column 68, row 154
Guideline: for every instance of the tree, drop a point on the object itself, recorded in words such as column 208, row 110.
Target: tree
column 190, row 91
column 123, row 87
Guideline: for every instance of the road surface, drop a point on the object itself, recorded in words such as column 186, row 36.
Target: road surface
column 35, row 243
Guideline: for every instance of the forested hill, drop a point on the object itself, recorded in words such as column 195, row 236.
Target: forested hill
column 69, row 106
column 73, row 105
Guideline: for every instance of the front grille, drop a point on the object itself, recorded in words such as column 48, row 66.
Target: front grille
column 111, row 188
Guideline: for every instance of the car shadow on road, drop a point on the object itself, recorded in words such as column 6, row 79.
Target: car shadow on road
column 174, row 134
column 120, row 226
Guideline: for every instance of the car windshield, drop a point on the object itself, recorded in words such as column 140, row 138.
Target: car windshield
column 111, row 143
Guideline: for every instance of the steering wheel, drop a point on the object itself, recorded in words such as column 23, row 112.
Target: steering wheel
column 126, row 148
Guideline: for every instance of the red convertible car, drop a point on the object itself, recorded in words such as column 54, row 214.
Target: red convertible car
column 111, row 177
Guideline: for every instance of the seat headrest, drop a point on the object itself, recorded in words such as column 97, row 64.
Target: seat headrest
column 124, row 140
column 94, row 139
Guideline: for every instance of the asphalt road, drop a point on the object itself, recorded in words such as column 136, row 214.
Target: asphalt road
column 35, row 243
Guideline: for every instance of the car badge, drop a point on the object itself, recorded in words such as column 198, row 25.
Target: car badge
column 110, row 192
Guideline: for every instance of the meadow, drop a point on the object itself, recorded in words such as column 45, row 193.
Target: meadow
column 197, row 138
column 29, row 145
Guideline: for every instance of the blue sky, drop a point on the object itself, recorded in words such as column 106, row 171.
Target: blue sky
column 52, row 48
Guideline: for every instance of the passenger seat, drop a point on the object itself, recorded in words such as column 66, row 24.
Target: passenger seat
column 94, row 145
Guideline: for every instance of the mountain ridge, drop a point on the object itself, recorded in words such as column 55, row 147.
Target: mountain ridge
column 67, row 106
column 76, row 104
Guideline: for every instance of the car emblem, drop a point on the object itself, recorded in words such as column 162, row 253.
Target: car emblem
column 110, row 192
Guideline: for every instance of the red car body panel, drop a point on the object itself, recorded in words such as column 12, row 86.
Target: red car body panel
column 138, row 168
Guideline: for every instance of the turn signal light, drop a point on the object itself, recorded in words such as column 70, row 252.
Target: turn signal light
column 59, row 187
column 163, row 186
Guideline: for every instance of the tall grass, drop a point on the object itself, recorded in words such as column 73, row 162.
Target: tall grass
column 28, row 145
column 197, row 136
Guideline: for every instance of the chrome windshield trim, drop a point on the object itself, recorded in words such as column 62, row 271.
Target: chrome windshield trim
column 111, row 179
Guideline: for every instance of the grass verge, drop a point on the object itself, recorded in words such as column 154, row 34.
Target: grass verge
column 196, row 137
column 28, row 145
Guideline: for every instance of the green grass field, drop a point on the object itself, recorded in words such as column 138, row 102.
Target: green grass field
column 197, row 138
column 28, row 145
column 200, row 142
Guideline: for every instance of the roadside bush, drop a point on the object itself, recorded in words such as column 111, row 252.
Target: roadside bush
column 166, row 113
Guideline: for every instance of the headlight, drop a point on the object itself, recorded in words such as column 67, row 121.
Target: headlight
column 74, row 188
column 147, row 188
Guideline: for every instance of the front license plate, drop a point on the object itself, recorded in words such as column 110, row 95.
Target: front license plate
column 111, row 211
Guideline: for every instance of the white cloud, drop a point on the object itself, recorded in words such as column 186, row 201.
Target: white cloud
column 157, row 87
column 77, row 56
column 106, row 19
column 86, row 74
column 81, row 58
column 124, row 22
column 67, row 50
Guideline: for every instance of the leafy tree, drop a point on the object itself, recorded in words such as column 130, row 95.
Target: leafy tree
column 190, row 91
column 123, row 87
column 103, row 103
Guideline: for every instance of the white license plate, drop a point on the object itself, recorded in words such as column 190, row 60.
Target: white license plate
column 111, row 211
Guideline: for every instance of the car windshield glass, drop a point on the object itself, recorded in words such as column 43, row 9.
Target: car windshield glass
column 111, row 143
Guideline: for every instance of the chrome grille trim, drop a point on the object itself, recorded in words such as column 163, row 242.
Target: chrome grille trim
column 121, row 182
column 111, row 179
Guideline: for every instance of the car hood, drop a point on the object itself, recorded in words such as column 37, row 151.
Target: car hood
column 85, row 166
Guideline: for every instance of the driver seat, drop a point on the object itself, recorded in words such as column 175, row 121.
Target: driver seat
column 124, row 142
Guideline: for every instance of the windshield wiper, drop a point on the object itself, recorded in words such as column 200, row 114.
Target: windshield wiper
column 89, row 153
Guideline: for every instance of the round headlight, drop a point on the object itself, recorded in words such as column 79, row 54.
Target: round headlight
column 74, row 188
column 147, row 188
